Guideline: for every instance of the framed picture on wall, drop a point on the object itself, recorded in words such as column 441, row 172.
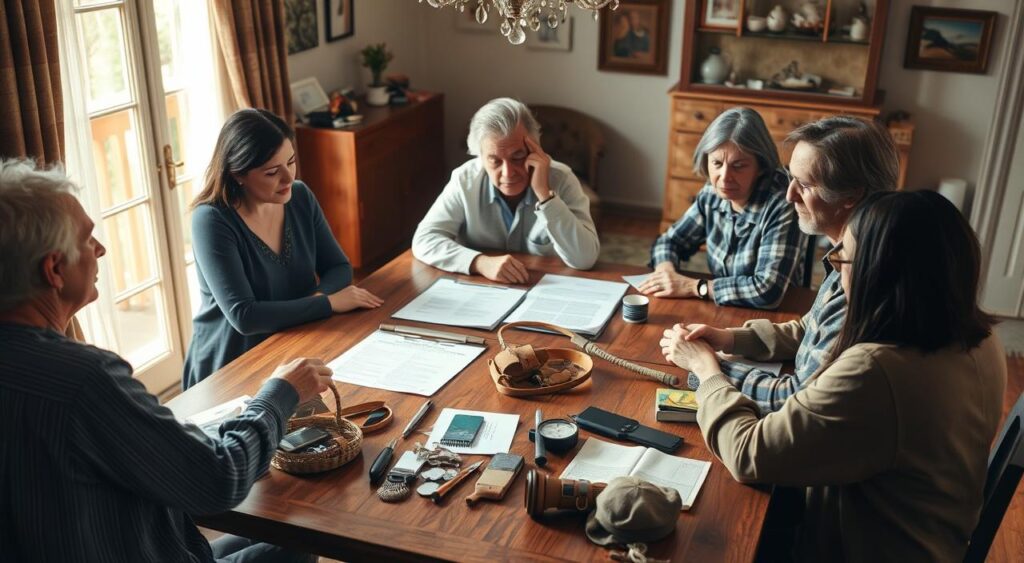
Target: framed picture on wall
column 551, row 39
column 949, row 39
column 339, row 18
column 300, row 19
column 634, row 38
column 722, row 14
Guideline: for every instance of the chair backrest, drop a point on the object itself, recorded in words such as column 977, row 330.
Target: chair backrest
column 573, row 138
column 809, row 255
column 1005, row 467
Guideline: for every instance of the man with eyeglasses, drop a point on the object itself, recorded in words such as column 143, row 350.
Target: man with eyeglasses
column 836, row 163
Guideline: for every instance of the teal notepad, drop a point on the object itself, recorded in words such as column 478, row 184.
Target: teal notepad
column 462, row 431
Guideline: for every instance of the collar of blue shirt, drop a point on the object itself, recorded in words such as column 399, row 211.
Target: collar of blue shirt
column 507, row 214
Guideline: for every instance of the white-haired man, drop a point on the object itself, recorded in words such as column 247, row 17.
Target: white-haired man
column 94, row 469
column 512, row 198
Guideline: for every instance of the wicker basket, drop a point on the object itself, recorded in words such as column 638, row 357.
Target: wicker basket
column 345, row 445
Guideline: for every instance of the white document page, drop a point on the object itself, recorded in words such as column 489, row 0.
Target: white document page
column 494, row 437
column 599, row 461
column 402, row 363
column 682, row 474
column 579, row 304
column 221, row 412
column 636, row 280
column 455, row 303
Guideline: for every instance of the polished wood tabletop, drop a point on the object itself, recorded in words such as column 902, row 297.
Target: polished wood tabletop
column 337, row 514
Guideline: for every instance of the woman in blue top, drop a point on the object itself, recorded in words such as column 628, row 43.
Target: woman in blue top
column 753, row 239
column 265, row 255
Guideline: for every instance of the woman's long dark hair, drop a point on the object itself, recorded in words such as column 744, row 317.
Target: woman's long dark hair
column 249, row 138
column 915, row 275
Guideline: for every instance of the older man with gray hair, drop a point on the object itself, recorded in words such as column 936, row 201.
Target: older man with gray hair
column 513, row 198
column 94, row 469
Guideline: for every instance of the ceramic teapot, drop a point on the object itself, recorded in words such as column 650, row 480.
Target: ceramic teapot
column 777, row 18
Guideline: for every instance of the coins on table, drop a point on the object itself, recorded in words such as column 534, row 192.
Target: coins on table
column 434, row 474
column 428, row 488
column 450, row 474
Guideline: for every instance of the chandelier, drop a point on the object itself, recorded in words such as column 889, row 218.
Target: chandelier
column 520, row 14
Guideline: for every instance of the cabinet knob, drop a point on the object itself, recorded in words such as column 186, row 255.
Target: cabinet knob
column 699, row 115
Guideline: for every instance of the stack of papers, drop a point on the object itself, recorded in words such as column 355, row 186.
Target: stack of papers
column 581, row 305
column 458, row 303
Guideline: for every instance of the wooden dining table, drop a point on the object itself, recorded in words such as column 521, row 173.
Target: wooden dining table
column 337, row 513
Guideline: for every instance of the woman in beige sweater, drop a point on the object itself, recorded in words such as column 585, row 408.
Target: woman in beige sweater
column 891, row 438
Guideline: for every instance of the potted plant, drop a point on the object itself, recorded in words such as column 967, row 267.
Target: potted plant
column 376, row 58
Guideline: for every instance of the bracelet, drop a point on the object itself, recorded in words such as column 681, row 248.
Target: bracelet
column 540, row 203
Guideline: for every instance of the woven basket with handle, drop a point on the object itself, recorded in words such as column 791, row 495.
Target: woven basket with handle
column 345, row 444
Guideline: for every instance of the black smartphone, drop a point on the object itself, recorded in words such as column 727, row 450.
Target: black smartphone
column 375, row 416
column 301, row 438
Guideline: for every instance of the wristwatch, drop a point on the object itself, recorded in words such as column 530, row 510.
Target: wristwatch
column 539, row 204
column 702, row 289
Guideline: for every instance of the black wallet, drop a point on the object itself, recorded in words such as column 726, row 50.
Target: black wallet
column 600, row 421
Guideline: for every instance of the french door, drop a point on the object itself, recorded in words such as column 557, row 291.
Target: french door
column 141, row 112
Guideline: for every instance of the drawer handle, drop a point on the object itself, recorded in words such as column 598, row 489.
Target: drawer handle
column 698, row 115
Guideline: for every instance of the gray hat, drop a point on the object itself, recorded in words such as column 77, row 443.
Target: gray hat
column 631, row 510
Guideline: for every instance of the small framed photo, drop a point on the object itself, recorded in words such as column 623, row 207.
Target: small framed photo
column 949, row 39
column 720, row 14
column 634, row 38
column 551, row 39
column 308, row 96
column 339, row 18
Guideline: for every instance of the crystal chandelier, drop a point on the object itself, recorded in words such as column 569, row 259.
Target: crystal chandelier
column 519, row 14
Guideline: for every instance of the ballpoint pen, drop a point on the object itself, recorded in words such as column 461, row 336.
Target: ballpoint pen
column 416, row 418
column 380, row 465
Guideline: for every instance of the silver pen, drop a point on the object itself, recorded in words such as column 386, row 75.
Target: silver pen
column 416, row 418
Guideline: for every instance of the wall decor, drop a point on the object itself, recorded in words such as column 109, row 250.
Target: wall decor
column 339, row 19
column 724, row 14
column 634, row 38
column 949, row 39
column 552, row 38
column 300, row 16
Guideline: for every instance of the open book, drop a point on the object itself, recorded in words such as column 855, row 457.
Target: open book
column 599, row 462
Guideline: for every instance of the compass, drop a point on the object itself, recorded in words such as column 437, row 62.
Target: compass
column 560, row 435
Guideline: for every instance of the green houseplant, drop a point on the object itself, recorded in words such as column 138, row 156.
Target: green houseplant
column 376, row 58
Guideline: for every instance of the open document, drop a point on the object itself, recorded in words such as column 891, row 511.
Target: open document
column 403, row 363
column 581, row 305
column 599, row 462
column 458, row 303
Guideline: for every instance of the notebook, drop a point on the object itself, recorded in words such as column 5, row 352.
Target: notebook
column 462, row 430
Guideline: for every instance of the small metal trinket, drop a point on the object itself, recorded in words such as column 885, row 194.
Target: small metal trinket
column 427, row 489
column 433, row 474
column 437, row 456
column 392, row 491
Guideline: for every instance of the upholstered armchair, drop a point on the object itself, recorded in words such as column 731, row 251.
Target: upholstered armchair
column 577, row 140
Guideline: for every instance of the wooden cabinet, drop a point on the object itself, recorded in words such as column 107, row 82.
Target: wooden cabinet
column 376, row 180
column 826, row 50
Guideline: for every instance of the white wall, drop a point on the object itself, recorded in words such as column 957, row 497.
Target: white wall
column 952, row 111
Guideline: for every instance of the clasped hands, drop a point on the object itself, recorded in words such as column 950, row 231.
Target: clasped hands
column 692, row 347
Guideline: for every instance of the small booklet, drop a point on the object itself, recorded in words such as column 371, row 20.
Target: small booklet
column 599, row 462
column 675, row 405
column 459, row 303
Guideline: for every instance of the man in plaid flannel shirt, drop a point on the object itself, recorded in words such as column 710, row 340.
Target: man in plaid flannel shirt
column 754, row 244
column 836, row 163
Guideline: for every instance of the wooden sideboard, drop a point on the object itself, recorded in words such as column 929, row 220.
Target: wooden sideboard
column 376, row 180
column 691, row 113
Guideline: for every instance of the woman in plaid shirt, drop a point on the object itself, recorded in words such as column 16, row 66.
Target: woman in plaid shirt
column 754, row 242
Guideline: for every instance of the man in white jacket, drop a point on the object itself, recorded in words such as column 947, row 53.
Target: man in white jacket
column 513, row 198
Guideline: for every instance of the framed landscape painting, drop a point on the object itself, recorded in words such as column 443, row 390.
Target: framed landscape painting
column 949, row 39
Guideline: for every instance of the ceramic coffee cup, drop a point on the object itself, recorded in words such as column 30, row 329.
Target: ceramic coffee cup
column 757, row 23
column 634, row 308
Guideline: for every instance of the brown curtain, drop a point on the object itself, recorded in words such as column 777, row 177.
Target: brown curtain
column 31, row 107
column 252, row 36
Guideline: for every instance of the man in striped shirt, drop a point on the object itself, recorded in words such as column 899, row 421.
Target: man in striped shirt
column 836, row 163
column 92, row 468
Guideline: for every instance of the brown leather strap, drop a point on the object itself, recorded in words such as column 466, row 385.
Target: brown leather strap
column 366, row 408
column 533, row 324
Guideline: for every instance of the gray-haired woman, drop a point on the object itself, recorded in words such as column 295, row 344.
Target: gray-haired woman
column 754, row 242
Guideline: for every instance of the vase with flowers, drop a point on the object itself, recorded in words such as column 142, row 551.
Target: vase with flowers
column 376, row 58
